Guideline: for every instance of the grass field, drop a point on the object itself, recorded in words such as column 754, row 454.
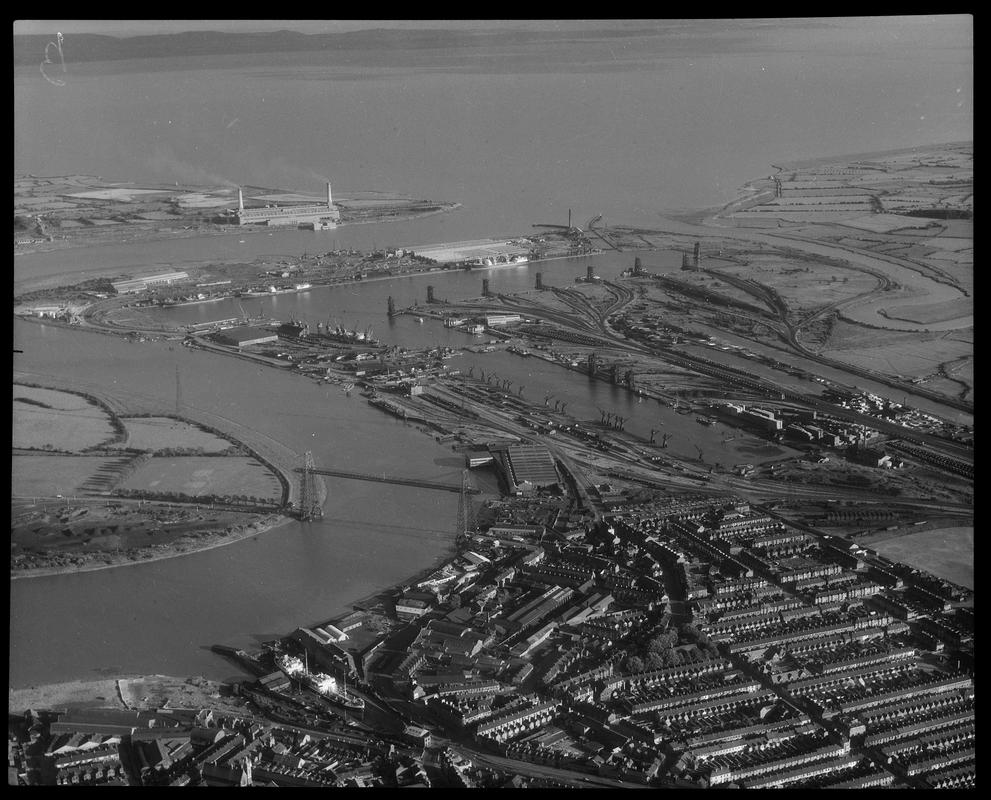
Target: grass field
column 946, row 552
column 933, row 312
column 69, row 422
column 202, row 475
column 158, row 433
column 47, row 476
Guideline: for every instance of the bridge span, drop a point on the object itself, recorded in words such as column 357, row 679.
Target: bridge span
column 382, row 478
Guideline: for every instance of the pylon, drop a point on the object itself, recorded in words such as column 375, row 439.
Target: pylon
column 178, row 392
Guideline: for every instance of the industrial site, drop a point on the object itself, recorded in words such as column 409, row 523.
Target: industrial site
column 700, row 490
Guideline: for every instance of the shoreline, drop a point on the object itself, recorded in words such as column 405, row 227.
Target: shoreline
column 215, row 541
column 181, row 233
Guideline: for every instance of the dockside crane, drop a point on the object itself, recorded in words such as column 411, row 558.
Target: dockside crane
column 563, row 406
column 547, row 399
column 664, row 440
column 519, row 390
column 653, row 433
column 699, row 452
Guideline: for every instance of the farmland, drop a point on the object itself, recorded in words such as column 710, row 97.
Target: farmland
column 49, row 475
column 69, row 469
column 44, row 419
column 160, row 433
column 196, row 476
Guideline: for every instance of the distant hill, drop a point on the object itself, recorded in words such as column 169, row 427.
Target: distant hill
column 29, row 49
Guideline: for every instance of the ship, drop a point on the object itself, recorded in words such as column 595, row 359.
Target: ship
column 291, row 665
column 326, row 686
column 323, row 684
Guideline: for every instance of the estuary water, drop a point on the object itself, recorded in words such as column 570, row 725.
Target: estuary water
column 629, row 123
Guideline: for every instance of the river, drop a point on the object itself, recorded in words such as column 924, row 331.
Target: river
column 672, row 116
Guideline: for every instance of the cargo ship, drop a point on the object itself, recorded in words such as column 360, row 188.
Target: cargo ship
column 324, row 685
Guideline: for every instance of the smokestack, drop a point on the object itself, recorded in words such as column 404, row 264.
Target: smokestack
column 569, row 218
column 330, row 198
column 240, row 199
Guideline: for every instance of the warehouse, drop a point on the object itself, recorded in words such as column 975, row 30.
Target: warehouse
column 530, row 467
column 245, row 336
column 140, row 284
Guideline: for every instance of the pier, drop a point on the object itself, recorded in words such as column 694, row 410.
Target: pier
column 362, row 476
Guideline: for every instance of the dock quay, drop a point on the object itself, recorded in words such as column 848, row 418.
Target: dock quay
column 240, row 657
column 362, row 476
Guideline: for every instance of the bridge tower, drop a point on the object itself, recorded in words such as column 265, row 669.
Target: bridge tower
column 697, row 255
column 308, row 505
column 466, row 516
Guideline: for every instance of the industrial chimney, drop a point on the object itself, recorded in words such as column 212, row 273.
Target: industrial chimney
column 330, row 198
column 240, row 199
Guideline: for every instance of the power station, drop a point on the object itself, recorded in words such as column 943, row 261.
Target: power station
column 318, row 216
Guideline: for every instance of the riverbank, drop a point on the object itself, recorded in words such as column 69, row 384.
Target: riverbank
column 131, row 692
column 149, row 555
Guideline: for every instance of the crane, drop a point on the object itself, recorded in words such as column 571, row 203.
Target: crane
column 563, row 406
column 602, row 416
column 699, row 451
column 519, row 391
column 471, row 371
column 664, row 440
column 653, row 432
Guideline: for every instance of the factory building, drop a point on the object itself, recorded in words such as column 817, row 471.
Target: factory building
column 529, row 467
column 502, row 319
column 316, row 215
column 245, row 336
column 141, row 284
